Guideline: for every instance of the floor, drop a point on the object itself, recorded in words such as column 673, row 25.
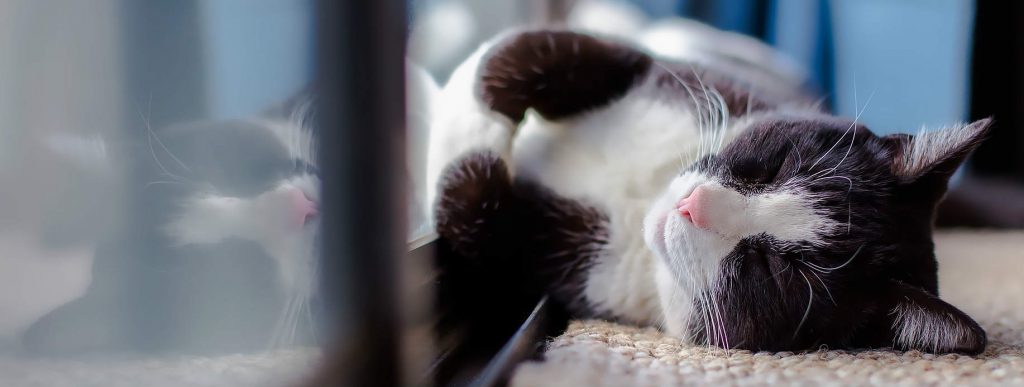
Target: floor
column 980, row 272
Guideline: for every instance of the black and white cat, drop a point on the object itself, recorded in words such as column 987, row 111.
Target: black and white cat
column 695, row 197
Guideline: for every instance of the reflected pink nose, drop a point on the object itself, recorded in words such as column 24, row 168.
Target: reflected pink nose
column 303, row 209
column 692, row 207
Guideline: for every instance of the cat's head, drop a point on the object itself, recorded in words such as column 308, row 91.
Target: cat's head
column 811, row 230
column 254, row 180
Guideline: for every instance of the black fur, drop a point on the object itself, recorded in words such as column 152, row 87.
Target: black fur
column 558, row 73
column 503, row 244
column 517, row 231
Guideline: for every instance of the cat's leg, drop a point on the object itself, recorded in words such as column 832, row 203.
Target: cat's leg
column 475, row 198
column 485, row 282
column 558, row 74
column 498, row 229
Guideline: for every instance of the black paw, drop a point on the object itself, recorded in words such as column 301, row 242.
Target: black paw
column 558, row 73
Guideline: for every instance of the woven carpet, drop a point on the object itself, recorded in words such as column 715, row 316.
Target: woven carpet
column 980, row 272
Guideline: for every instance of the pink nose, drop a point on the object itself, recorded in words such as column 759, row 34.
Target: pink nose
column 303, row 209
column 692, row 207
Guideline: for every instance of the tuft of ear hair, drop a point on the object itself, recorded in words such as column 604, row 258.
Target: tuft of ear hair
column 935, row 154
column 921, row 321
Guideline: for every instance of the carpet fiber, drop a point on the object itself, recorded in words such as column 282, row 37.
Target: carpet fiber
column 980, row 272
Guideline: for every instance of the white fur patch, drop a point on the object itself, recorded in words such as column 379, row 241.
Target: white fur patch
column 209, row 219
column 85, row 151
column 785, row 215
column 266, row 219
column 421, row 98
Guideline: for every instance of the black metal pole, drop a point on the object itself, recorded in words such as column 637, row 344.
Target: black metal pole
column 361, row 110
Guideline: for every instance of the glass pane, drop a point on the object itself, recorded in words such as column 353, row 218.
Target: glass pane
column 158, row 213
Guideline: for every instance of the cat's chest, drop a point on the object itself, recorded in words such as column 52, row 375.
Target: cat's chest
column 617, row 160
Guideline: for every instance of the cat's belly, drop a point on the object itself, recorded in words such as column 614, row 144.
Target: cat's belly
column 622, row 281
column 617, row 160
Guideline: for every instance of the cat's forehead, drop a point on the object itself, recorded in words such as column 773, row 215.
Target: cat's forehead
column 206, row 142
column 814, row 127
column 236, row 157
column 804, row 134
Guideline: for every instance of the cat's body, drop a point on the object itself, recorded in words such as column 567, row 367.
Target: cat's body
column 654, row 192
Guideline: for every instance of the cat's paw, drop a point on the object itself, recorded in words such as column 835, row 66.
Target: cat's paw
column 557, row 73
column 474, row 191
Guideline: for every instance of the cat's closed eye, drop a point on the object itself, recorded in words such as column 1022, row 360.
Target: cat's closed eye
column 755, row 172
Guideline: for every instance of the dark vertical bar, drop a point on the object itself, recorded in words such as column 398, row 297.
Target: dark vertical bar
column 824, row 55
column 761, row 14
column 361, row 110
column 997, row 86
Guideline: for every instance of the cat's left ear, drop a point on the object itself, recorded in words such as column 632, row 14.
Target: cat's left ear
column 932, row 157
column 921, row 321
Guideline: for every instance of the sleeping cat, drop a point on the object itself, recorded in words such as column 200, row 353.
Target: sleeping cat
column 694, row 197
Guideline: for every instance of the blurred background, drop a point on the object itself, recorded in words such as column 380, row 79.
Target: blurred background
column 110, row 69
column 901, row 66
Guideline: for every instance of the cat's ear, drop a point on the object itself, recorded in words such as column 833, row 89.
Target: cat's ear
column 557, row 73
column 932, row 157
column 921, row 321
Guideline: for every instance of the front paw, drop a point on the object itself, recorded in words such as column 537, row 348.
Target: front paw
column 474, row 193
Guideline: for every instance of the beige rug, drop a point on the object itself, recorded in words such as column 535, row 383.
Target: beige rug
column 980, row 272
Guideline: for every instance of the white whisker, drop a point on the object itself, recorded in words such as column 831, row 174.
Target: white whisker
column 829, row 292
column 810, row 300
